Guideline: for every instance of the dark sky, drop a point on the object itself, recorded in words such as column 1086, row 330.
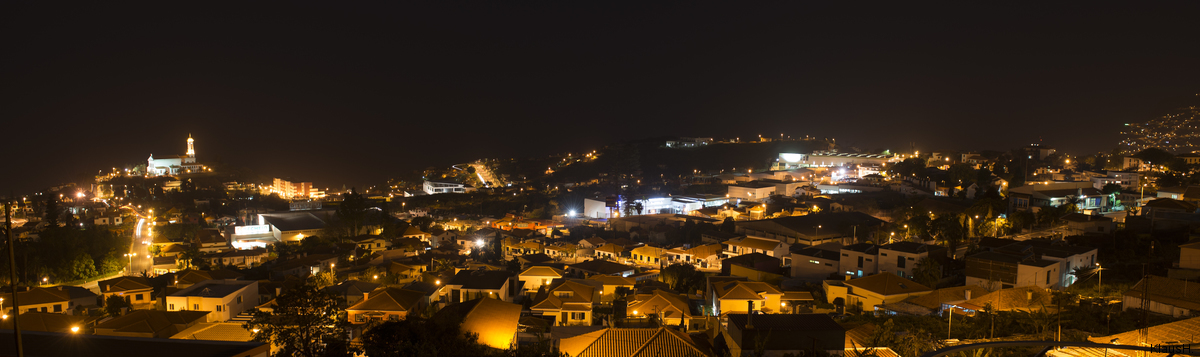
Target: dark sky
column 339, row 94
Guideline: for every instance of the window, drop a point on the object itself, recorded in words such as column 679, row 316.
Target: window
column 1047, row 278
column 43, row 309
column 196, row 307
column 359, row 318
column 57, row 307
column 239, row 299
column 138, row 297
column 900, row 262
column 218, row 308
column 170, row 307
column 883, row 254
column 860, row 262
column 814, row 262
column 828, row 264
column 845, row 255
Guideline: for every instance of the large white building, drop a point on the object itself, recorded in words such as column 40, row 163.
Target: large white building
column 436, row 187
column 602, row 208
column 174, row 165
column 223, row 299
column 830, row 159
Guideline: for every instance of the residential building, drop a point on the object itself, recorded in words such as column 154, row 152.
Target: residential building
column 370, row 243
column 1025, row 298
column 534, row 277
column 757, row 261
column 672, row 309
column 648, row 255
column 813, row 229
column 613, row 285
column 473, row 284
column 993, row 270
column 150, row 323
column 780, row 334
column 748, row 245
column 305, row 265
column 1168, row 334
column 135, row 288
column 385, row 304
column 241, row 258
column 566, row 302
column 737, row 296
column 935, row 302
column 704, row 257
column 817, row 263
column 859, row 260
column 1056, row 194
column 901, row 258
column 290, row 227
column 1172, row 297
column 600, row 267
column 1188, row 266
column 870, row 292
column 353, row 291
column 223, row 299
column 56, row 299
column 1089, row 224
column 493, row 321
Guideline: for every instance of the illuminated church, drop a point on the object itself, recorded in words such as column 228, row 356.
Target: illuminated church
column 174, row 165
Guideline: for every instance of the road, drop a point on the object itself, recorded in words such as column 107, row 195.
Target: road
column 484, row 174
column 140, row 260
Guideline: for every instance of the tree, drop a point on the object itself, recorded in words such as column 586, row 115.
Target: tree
column 352, row 212
column 83, row 267
column 683, row 278
column 114, row 303
column 927, row 272
column 728, row 226
column 52, row 210
column 306, row 321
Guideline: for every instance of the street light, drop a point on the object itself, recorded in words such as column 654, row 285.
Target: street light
column 1100, row 284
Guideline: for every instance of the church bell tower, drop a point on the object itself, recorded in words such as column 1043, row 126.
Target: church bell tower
column 191, row 153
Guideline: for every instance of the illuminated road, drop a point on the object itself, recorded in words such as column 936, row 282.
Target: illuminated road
column 484, row 174
column 140, row 261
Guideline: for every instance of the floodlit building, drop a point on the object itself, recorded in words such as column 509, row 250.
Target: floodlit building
column 436, row 187
column 174, row 165
column 288, row 189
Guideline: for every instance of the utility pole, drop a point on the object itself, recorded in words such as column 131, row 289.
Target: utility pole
column 12, row 271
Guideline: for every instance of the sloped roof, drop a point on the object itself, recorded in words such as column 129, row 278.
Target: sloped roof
column 493, row 320
column 610, row 248
column 542, row 271
column 613, row 280
column 935, row 299
column 756, row 243
column 40, row 295
column 669, row 305
column 481, row 279
column 887, row 284
column 159, row 323
column 1173, row 333
column 550, row 299
column 743, row 290
column 215, row 331
column 602, row 267
column 910, row 247
column 414, row 231
column 350, row 287
column 45, row 321
column 389, row 299
column 294, row 221
column 1170, row 203
column 1168, row 291
column 705, row 251
column 124, row 283
column 1012, row 299
column 632, row 342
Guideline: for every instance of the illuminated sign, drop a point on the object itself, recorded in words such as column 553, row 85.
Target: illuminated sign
column 258, row 229
column 791, row 158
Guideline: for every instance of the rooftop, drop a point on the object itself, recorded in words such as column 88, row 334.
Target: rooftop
column 57, row 344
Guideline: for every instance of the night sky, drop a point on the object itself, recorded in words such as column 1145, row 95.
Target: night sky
column 352, row 95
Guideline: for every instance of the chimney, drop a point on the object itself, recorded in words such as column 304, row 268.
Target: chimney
column 750, row 314
column 366, row 294
column 1029, row 295
column 967, row 295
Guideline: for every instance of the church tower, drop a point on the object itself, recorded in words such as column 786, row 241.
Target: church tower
column 191, row 151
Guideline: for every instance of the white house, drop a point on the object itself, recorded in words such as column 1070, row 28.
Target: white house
column 223, row 299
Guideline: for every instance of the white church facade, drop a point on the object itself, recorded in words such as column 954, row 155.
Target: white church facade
column 174, row 165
